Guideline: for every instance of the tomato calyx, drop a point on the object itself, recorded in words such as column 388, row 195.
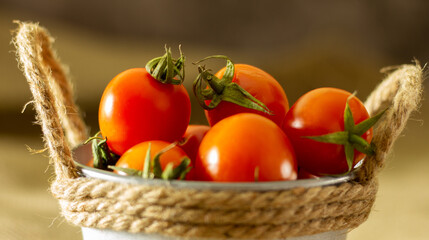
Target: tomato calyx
column 217, row 90
column 351, row 136
column 169, row 172
column 103, row 156
column 165, row 69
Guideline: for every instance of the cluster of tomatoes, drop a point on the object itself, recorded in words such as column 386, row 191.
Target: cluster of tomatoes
column 144, row 119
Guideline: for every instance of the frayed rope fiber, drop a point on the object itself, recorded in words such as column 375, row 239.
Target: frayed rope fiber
column 190, row 213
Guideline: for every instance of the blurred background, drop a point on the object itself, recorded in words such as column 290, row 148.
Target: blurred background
column 303, row 44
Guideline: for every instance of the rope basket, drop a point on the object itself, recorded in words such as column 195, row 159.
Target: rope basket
column 189, row 213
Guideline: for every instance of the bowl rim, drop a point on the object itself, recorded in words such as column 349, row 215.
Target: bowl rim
column 82, row 154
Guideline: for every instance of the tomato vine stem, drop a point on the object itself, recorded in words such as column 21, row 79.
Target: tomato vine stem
column 166, row 69
column 217, row 90
column 101, row 153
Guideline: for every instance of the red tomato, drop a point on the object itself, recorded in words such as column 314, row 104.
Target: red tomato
column 242, row 146
column 135, row 156
column 260, row 85
column 135, row 108
column 193, row 136
column 320, row 112
column 302, row 174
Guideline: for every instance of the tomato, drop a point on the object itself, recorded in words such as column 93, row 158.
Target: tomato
column 239, row 88
column 135, row 156
column 319, row 112
column 135, row 107
column 245, row 147
column 193, row 136
column 260, row 85
column 302, row 174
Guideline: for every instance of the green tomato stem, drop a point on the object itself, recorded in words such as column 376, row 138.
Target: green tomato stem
column 166, row 69
column 223, row 89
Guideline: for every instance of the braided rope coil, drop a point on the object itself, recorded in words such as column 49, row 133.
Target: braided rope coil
column 189, row 213
column 220, row 214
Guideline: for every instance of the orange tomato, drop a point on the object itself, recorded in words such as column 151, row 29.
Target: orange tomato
column 320, row 112
column 135, row 156
column 245, row 147
column 260, row 85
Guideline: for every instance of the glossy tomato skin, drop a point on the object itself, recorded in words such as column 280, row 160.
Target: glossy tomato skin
column 135, row 156
column 135, row 108
column 237, row 145
column 319, row 112
column 260, row 85
column 193, row 136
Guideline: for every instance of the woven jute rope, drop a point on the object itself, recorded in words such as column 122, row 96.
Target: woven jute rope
column 183, row 212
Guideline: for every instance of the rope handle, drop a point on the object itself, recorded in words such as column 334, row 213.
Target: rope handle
column 400, row 92
column 53, row 101
column 53, row 96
